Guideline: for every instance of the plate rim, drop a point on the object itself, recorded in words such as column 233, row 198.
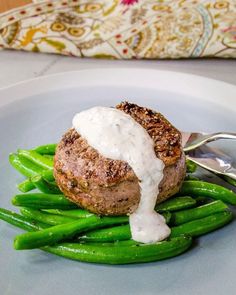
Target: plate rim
column 90, row 267
column 183, row 83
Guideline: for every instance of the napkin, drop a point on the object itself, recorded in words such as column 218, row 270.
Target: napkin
column 121, row 29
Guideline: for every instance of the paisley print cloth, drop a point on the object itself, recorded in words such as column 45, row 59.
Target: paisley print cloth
column 123, row 29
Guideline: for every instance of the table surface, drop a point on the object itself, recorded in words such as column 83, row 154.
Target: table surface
column 16, row 66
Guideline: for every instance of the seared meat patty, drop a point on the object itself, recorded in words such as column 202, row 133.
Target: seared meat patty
column 110, row 187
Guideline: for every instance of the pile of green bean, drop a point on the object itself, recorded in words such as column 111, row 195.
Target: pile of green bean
column 56, row 225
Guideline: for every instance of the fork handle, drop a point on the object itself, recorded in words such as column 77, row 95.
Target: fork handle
column 231, row 173
column 224, row 135
column 208, row 138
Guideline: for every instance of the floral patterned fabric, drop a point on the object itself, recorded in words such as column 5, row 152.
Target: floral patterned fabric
column 123, row 29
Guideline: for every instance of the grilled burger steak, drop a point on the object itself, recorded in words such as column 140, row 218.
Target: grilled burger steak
column 110, row 187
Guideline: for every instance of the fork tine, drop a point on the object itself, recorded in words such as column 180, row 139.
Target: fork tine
column 214, row 160
column 198, row 139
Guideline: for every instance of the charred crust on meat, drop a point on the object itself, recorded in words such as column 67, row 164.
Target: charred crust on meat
column 167, row 139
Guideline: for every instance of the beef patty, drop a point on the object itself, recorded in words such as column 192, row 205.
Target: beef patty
column 110, row 187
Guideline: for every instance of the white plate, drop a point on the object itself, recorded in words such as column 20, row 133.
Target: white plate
column 40, row 111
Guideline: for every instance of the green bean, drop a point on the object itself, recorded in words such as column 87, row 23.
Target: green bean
column 112, row 234
column 38, row 181
column 191, row 177
column 74, row 213
column 120, row 243
column 47, row 149
column 26, row 186
column 28, row 169
column 61, row 232
column 44, row 217
column 117, row 254
column 202, row 200
column 230, row 180
column 21, row 221
column 177, row 203
column 24, row 166
column 202, row 226
column 190, row 166
column 48, row 175
column 44, row 186
column 50, row 157
column 206, row 189
column 193, row 228
column 116, row 233
column 101, row 253
column 37, row 158
column 167, row 215
column 198, row 212
column 81, row 213
column 43, row 201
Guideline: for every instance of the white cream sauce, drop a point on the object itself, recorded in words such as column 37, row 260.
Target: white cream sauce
column 118, row 136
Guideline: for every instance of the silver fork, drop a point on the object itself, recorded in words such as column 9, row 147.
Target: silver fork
column 213, row 160
column 194, row 140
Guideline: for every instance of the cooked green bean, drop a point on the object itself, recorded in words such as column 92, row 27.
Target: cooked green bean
column 24, row 166
column 112, row 234
column 57, row 224
column 48, row 175
column 47, row 149
column 177, row 203
column 44, row 186
column 202, row 226
column 49, row 157
column 203, row 200
column 36, row 158
column 120, row 243
column 43, row 201
column 193, row 228
column 21, row 221
column 191, row 177
column 230, row 180
column 38, row 181
column 117, row 254
column 51, row 219
column 26, row 186
column 73, row 213
column 167, row 215
column 80, row 213
column 201, row 188
column 190, row 166
column 116, row 233
column 29, row 169
column 198, row 212
column 62, row 232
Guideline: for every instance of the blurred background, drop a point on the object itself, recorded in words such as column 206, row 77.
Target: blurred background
column 197, row 37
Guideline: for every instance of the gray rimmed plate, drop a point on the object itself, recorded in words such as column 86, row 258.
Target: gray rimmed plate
column 39, row 111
